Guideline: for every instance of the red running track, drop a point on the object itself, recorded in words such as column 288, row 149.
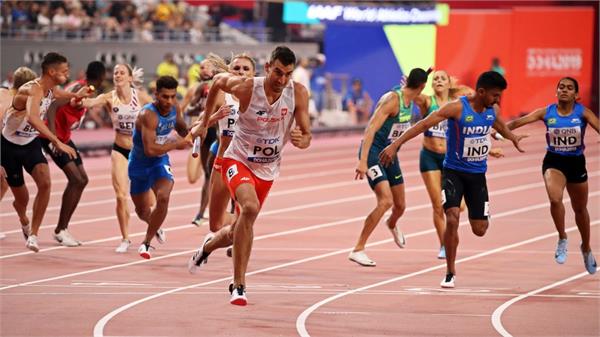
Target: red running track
column 301, row 282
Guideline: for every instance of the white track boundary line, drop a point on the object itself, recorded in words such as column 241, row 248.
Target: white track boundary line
column 497, row 315
column 99, row 327
column 301, row 320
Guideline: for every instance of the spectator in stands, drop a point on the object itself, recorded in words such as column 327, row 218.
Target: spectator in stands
column 167, row 67
column 193, row 73
column 497, row 67
column 358, row 103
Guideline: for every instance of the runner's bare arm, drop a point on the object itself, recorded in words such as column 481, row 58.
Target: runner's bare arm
column 147, row 122
column 591, row 118
column 33, row 118
column 501, row 127
column 535, row 115
column 387, row 105
column 450, row 110
column 301, row 135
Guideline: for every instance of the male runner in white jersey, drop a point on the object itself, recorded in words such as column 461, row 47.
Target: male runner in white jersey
column 20, row 146
column 268, row 107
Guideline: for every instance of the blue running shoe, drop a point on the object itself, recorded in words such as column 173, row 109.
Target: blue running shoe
column 561, row 251
column 442, row 253
column 589, row 262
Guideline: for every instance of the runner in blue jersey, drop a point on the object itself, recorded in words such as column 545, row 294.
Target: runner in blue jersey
column 149, row 168
column 564, row 163
column 391, row 118
column 470, row 121
column 431, row 158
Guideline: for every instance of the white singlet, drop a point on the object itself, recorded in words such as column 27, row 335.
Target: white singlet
column 17, row 129
column 123, row 115
column 227, row 124
column 262, row 130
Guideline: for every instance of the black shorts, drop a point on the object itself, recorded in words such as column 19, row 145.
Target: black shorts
column 121, row 150
column 61, row 159
column 573, row 167
column 16, row 157
column 211, row 137
column 472, row 186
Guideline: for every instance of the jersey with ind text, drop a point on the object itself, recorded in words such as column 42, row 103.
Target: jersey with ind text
column 165, row 125
column 468, row 139
column 564, row 134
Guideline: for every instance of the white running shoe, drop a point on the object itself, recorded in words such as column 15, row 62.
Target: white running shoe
column 399, row 238
column 123, row 246
column 161, row 236
column 66, row 239
column 144, row 251
column 361, row 258
column 448, row 281
column 199, row 256
column 32, row 243
column 238, row 295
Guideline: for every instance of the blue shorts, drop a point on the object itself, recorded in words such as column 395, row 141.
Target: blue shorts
column 377, row 173
column 431, row 161
column 142, row 178
column 214, row 148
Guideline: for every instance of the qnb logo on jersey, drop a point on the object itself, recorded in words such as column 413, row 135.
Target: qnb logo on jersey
column 545, row 62
column 476, row 130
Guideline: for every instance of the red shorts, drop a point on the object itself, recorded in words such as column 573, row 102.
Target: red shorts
column 218, row 164
column 235, row 173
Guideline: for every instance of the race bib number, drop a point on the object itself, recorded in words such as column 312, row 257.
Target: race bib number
column 374, row 172
column 439, row 130
column 265, row 150
column 476, row 148
column 232, row 171
column 397, row 130
column 565, row 139
column 126, row 126
column 161, row 140
column 27, row 131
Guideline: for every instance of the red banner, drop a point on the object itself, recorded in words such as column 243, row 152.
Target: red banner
column 535, row 45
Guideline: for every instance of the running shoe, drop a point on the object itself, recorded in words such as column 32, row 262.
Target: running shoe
column 361, row 258
column 442, row 253
column 238, row 295
column 123, row 246
column 589, row 261
column 144, row 250
column 32, row 243
column 399, row 238
column 197, row 220
column 199, row 256
column 161, row 236
column 66, row 239
column 448, row 281
column 561, row 251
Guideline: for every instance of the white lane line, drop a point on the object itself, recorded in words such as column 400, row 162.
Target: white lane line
column 301, row 320
column 99, row 327
column 497, row 315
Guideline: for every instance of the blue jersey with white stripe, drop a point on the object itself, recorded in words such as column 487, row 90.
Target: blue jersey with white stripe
column 564, row 134
column 165, row 125
column 468, row 139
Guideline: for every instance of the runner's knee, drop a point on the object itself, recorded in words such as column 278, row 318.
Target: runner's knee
column 479, row 228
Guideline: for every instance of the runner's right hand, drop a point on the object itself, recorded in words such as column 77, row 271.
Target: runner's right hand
column 62, row 147
column 361, row 170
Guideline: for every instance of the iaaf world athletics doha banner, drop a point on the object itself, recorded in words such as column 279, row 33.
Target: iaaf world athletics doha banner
column 534, row 51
